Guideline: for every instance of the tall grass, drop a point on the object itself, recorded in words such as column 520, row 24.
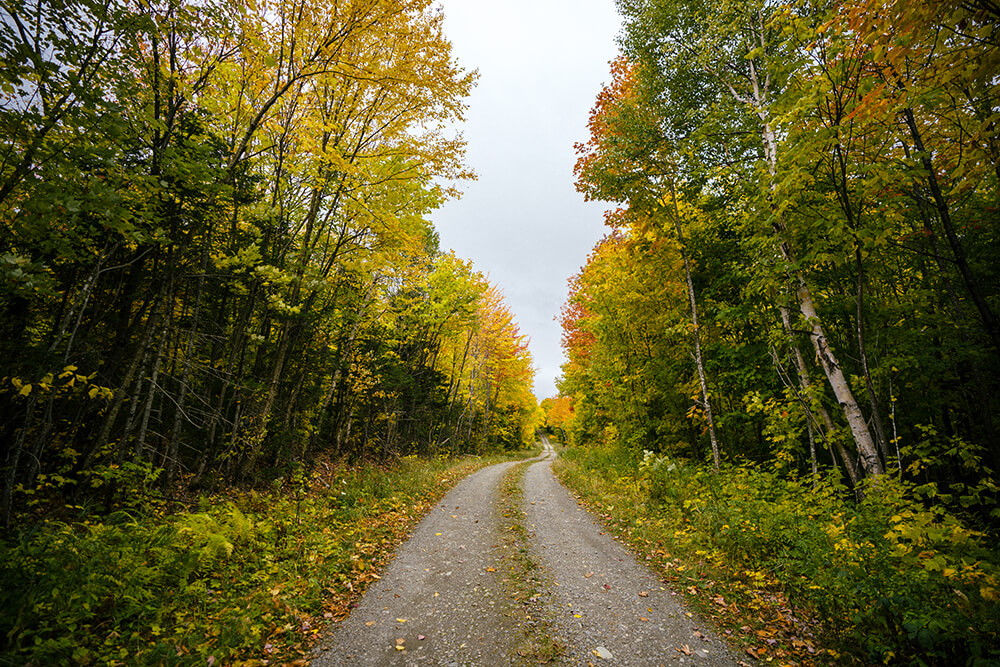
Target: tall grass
column 893, row 578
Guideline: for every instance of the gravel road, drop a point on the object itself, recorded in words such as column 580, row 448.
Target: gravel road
column 440, row 595
column 441, row 600
column 609, row 608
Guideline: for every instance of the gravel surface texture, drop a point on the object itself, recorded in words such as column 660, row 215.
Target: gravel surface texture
column 442, row 602
column 609, row 608
column 440, row 595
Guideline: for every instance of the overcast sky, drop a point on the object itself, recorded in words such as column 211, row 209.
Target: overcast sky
column 541, row 65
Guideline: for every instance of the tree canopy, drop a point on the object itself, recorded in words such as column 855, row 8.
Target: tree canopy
column 833, row 168
column 215, row 248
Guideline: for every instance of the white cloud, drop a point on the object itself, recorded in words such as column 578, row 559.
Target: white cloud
column 541, row 63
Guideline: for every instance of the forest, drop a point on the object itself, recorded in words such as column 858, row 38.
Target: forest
column 216, row 254
column 235, row 365
column 799, row 297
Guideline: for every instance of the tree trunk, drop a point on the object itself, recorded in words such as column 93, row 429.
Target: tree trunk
column 989, row 320
column 706, row 402
column 140, row 444
column 175, row 431
column 807, row 399
column 831, row 366
column 13, row 457
column 867, row 450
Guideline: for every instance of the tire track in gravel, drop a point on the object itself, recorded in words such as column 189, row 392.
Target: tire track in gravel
column 442, row 600
column 609, row 608
column 441, row 595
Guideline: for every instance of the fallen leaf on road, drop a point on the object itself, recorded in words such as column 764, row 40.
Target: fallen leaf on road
column 686, row 650
column 491, row 569
column 588, row 575
column 370, row 623
column 607, row 587
column 401, row 620
column 644, row 594
column 643, row 618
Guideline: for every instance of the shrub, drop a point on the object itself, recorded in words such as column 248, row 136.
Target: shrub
column 897, row 576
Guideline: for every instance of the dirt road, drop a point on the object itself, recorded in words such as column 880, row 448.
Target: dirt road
column 442, row 600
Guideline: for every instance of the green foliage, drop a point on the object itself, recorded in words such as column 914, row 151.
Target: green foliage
column 893, row 577
column 233, row 245
column 839, row 214
column 248, row 577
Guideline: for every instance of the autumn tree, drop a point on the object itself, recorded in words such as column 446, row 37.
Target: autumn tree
column 813, row 219
column 216, row 250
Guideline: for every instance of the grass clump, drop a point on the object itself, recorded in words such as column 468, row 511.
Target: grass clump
column 523, row 578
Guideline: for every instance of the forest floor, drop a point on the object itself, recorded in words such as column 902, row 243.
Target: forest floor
column 502, row 572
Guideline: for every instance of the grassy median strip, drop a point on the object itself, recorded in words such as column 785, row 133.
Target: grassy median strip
column 523, row 578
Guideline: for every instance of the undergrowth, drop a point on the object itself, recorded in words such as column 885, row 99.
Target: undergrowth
column 241, row 579
column 804, row 574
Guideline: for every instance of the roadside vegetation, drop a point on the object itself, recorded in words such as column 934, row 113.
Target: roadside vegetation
column 243, row 578
column 796, row 569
